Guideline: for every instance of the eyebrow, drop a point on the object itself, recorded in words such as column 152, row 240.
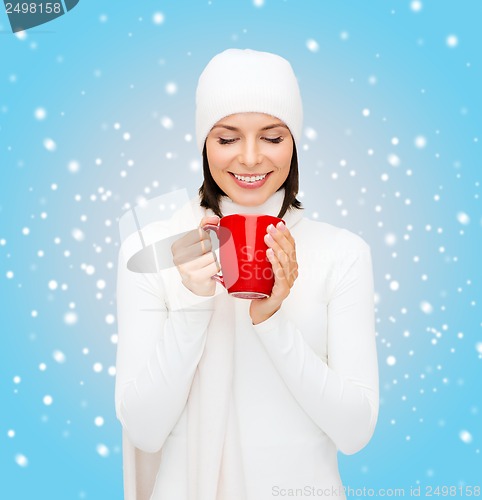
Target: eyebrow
column 268, row 127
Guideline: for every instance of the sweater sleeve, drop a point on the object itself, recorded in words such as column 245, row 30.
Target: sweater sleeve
column 158, row 351
column 341, row 396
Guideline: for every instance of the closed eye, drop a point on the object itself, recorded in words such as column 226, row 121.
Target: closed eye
column 275, row 141
column 226, row 141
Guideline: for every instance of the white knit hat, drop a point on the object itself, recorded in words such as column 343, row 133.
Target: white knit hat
column 239, row 81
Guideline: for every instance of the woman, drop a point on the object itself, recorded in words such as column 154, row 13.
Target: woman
column 223, row 398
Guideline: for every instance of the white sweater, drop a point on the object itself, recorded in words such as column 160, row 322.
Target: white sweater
column 304, row 382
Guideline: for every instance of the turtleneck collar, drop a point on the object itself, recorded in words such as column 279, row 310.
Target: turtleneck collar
column 271, row 206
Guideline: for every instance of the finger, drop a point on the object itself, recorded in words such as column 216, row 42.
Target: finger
column 204, row 236
column 191, row 238
column 202, row 272
column 207, row 272
column 289, row 265
column 211, row 270
column 278, row 270
column 184, row 254
column 284, row 240
column 204, row 241
column 281, row 286
column 209, row 219
column 200, row 263
column 284, row 230
column 279, row 252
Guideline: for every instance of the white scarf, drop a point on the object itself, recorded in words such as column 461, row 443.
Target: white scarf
column 215, row 469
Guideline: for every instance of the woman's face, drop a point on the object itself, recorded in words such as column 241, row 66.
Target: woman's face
column 247, row 146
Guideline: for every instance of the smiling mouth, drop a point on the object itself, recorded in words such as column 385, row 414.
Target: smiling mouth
column 250, row 178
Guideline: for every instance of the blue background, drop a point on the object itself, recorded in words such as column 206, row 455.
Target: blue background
column 404, row 174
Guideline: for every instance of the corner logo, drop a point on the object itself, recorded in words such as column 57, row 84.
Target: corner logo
column 25, row 15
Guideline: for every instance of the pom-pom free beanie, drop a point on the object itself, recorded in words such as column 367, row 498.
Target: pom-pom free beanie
column 245, row 80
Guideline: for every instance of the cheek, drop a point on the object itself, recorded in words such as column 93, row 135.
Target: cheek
column 218, row 157
column 282, row 158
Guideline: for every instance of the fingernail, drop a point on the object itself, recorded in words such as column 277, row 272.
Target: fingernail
column 281, row 226
column 271, row 228
column 269, row 238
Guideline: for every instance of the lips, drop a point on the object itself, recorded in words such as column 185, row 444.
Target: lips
column 246, row 181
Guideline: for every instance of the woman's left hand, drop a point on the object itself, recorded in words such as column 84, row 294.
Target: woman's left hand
column 282, row 255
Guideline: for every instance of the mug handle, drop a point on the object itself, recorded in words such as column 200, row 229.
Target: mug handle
column 208, row 227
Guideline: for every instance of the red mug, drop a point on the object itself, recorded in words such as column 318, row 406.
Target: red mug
column 246, row 271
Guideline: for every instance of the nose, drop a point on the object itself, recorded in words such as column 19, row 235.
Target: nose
column 250, row 154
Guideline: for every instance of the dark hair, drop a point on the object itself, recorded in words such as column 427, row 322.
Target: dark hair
column 211, row 193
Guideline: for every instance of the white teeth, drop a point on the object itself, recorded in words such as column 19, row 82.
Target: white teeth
column 251, row 178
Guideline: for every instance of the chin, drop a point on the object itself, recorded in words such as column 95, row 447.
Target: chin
column 250, row 199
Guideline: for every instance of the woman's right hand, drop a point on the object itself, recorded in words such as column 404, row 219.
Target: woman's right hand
column 195, row 260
